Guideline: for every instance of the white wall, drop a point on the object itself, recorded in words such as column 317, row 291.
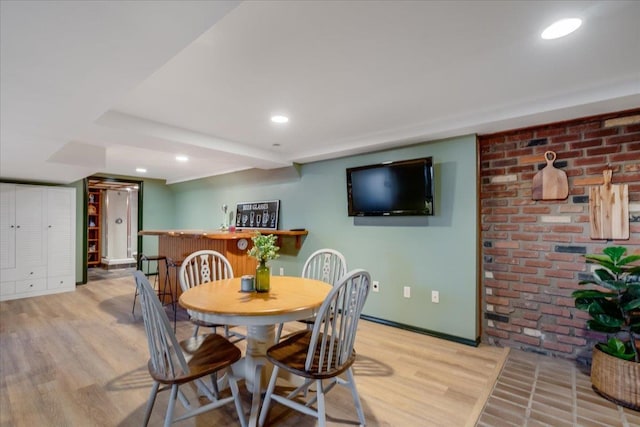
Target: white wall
column 116, row 227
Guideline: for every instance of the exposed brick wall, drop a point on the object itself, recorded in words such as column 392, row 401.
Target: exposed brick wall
column 533, row 250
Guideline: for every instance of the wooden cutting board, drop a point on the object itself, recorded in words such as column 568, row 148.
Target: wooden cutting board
column 609, row 210
column 550, row 183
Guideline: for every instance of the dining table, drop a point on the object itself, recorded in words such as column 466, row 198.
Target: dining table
column 223, row 302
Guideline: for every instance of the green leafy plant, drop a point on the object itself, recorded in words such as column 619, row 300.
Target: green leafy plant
column 264, row 247
column 614, row 305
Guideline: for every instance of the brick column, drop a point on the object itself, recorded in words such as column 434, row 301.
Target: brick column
column 533, row 250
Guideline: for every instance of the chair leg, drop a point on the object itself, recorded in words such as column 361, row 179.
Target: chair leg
column 133, row 308
column 175, row 316
column 183, row 399
column 356, row 396
column 167, row 284
column 255, row 399
column 279, row 333
column 214, row 385
column 322, row 416
column 236, row 398
column 204, row 390
column 195, row 331
column 171, row 405
column 150, row 403
column 267, row 396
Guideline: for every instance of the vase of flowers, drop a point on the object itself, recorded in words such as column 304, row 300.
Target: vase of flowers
column 264, row 249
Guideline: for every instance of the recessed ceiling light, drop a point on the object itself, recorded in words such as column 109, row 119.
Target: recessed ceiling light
column 279, row 119
column 561, row 28
column 141, row 170
column 182, row 158
column 276, row 144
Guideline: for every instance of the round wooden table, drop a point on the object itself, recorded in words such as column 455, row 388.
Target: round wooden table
column 290, row 298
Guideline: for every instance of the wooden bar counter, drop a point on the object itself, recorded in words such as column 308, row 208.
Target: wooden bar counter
column 178, row 244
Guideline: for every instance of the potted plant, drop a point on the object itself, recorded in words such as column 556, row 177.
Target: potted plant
column 614, row 307
column 264, row 249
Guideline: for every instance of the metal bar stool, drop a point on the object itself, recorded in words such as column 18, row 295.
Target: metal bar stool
column 163, row 289
column 174, row 265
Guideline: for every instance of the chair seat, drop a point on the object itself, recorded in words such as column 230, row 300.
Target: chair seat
column 310, row 320
column 291, row 354
column 204, row 324
column 205, row 354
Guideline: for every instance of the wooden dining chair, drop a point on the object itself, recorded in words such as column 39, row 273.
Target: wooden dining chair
column 322, row 354
column 327, row 265
column 201, row 267
column 173, row 364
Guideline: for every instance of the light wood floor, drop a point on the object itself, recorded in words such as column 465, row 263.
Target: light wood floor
column 79, row 359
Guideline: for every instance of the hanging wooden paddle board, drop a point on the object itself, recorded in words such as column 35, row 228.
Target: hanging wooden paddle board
column 550, row 183
column 609, row 210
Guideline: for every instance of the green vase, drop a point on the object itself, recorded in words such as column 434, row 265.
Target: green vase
column 263, row 276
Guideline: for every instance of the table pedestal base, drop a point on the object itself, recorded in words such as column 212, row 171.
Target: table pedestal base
column 259, row 339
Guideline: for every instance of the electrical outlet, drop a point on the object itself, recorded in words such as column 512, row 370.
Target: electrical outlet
column 282, row 271
column 375, row 286
column 407, row 291
column 435, row 297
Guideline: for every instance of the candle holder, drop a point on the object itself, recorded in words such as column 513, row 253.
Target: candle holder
column 247, row 284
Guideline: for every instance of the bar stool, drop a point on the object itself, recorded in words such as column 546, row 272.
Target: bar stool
column 175, row 266
column 163, row 289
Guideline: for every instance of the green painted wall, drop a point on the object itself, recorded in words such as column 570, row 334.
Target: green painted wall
column 158, row 212
column 426, row 253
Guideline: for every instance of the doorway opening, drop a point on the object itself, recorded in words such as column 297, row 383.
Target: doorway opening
column 112, row 221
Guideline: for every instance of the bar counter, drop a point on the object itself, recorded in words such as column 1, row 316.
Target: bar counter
column 178, row 244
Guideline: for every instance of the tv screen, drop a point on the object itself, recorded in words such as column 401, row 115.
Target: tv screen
column 391, row 188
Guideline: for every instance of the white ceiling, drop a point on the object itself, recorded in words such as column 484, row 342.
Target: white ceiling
column 89, row 87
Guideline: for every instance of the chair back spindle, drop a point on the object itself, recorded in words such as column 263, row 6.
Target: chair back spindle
column 327, row 265
column 201, row 267
column 162, row 342
column 334, row 330
column 204, row 266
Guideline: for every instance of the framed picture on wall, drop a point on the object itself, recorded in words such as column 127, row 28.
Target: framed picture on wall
column 262, row 215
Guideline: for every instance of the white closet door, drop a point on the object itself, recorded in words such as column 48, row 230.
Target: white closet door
column 7, row 226
column 61, row 218
column 31, row 247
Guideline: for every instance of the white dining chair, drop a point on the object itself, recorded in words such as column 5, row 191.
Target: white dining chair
column 201, row 267
column 173, row 364
column 322, row 354
column 327, row 265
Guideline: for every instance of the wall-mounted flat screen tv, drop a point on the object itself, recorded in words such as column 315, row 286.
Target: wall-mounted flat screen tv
column 391, row 188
